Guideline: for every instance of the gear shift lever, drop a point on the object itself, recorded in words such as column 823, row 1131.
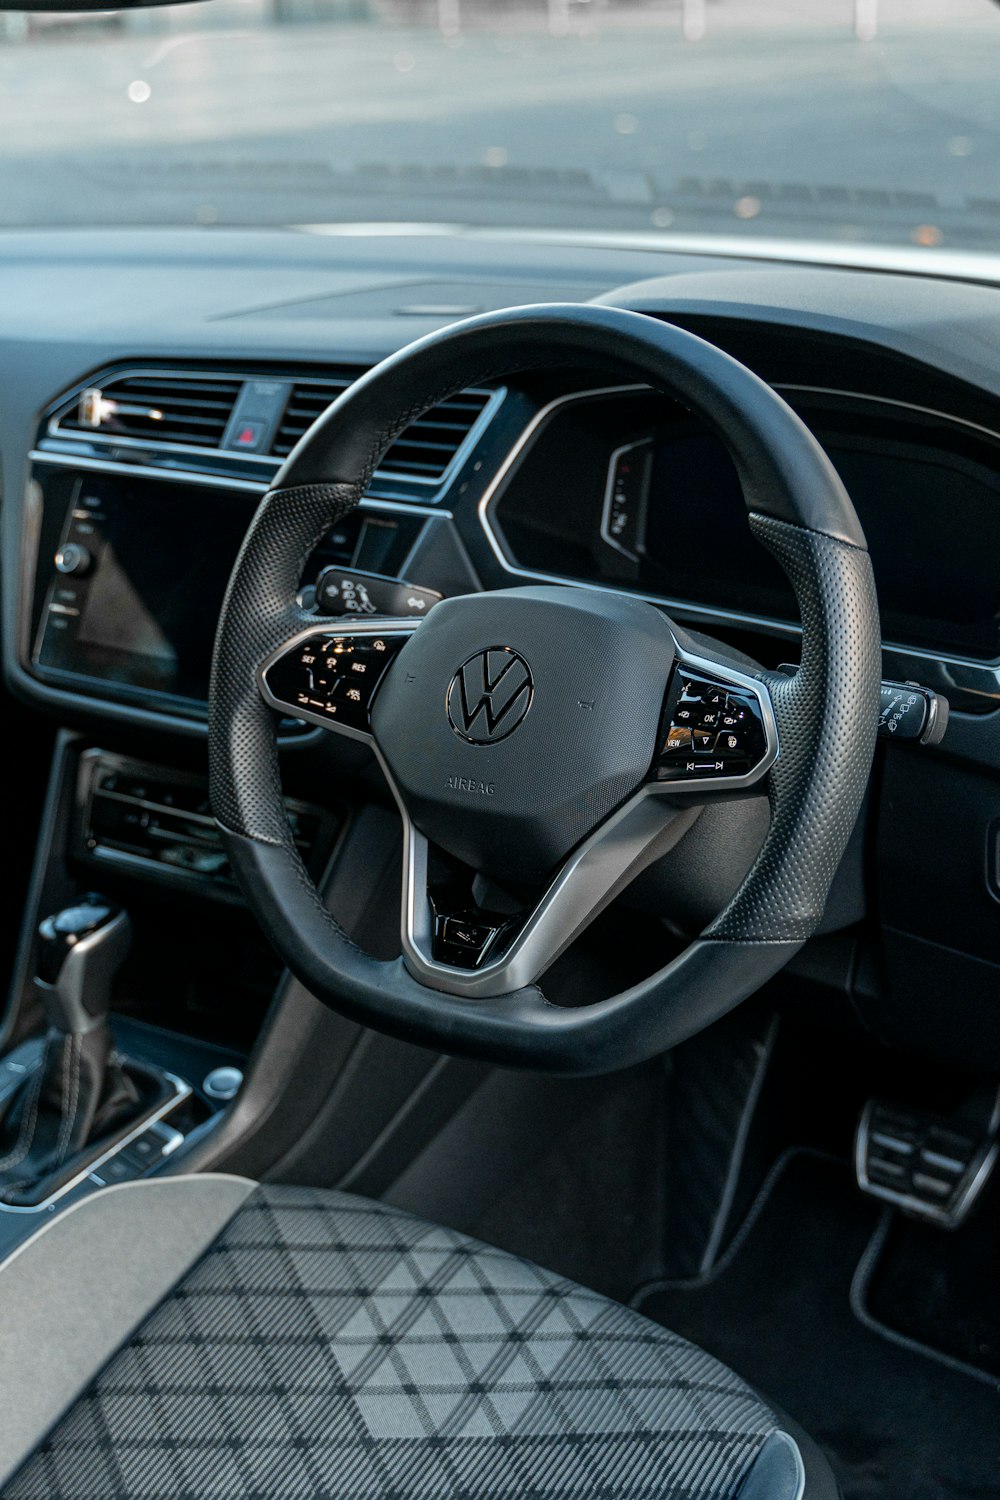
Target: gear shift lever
column 80, row 1094
column 80, row 951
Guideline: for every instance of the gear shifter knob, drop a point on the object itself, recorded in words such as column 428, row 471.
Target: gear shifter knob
column 81, row 948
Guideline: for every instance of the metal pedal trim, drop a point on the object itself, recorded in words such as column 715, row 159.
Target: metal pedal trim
column 956, row 1196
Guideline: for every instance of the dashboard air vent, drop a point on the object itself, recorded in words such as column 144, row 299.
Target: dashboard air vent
column 211, row 410
column 160, row 407
column 423, row 451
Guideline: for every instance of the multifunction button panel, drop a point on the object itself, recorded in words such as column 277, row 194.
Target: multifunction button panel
column 709, row 728
column 330, row 677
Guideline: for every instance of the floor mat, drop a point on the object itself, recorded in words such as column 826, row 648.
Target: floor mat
column 941, row 1289
column 895, row 1424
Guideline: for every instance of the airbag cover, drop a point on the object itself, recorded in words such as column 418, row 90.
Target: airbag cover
column 514, row 722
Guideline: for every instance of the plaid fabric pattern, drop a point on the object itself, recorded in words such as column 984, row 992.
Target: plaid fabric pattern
column 331, row 1347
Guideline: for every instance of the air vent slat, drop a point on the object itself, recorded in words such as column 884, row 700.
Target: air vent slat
column 430, row 447
column 179, row 403
column 153, row 383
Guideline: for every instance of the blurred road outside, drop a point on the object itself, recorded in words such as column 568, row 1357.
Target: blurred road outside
column 779, row 120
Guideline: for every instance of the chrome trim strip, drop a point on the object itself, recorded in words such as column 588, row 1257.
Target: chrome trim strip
column 182, row 1091
column 144, row 471
column 439, row 485
column 944, row 674
column 489, row 495
column 923, row 411
column 595, row 873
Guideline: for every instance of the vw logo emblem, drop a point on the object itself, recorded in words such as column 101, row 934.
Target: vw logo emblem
column 489, row 695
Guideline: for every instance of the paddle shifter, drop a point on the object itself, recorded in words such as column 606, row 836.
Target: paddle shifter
column 80, row 1094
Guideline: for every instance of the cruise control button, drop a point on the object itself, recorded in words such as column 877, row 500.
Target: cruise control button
column 333, row 676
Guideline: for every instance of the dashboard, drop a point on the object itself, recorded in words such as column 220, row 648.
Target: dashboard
column 151, row 383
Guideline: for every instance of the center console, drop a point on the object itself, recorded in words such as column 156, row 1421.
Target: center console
column 127, row 546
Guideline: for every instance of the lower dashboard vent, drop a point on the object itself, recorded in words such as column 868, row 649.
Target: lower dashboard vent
column 160, row 407
column 423, row 451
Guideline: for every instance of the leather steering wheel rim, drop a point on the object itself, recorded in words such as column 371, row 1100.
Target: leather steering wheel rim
column 825, row 714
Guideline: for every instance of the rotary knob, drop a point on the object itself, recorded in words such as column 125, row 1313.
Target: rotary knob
column 73, row 560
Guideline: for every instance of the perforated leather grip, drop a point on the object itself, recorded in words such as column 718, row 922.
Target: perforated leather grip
column 827, row 716
column 259, row 613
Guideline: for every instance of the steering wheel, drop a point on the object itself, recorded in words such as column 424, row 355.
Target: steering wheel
column 545, row 744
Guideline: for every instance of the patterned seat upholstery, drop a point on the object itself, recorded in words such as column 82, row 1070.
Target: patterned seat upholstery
column 326, row 1346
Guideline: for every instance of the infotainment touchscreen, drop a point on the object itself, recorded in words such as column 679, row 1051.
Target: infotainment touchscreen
column 147, row 569
column 132, row 574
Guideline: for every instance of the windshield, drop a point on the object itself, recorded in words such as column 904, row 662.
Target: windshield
column 836, row 120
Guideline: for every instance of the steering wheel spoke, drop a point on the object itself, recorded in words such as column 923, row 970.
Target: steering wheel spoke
column 718, row 733
column 329, row 673
column 453, row 944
